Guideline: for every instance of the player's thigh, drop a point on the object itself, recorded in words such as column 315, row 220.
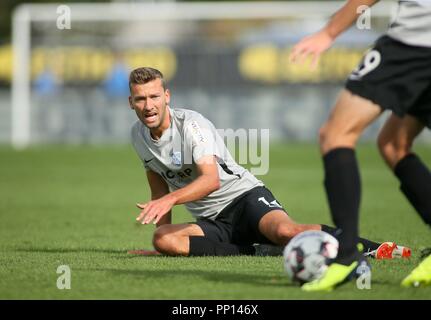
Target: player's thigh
column 257, row 205
column 277, row 226
column 276, row 223
column 397, row 136
column 350, row 116
column 218, row 230
column 179, row 230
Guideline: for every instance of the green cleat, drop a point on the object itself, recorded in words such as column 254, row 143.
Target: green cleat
column 420, row 276
column 335, row 275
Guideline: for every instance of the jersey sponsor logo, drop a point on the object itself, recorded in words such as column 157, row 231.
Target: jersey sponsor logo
column 169, row 174
column 176, row 158
column 147, row 161
column 370, row 62
column 272, row 204
column 197, row 132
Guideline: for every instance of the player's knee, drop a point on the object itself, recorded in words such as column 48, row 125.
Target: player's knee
column 330, row 139
column 386, row 148
column 163, row 240
column 326, row 139
column 393, row 150
column 285, row 232
column 159, row 239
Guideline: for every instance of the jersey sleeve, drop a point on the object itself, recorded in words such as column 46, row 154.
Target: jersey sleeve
column 202, row 135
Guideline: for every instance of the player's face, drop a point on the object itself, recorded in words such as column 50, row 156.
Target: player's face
column 150, row 102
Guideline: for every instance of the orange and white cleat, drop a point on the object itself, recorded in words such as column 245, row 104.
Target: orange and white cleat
column 389, row 250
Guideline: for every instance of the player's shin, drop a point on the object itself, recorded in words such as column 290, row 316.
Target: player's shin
column 415, row 181
column 367, row 244
column 343, row 189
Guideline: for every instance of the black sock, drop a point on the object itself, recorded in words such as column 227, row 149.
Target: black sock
column 202, row 246
column 415, row 181
column 343, row 190
column 368, row 244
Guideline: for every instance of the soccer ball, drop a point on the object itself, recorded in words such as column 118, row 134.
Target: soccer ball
column 308, row 254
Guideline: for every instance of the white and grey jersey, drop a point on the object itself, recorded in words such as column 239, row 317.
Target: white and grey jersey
column 412, row 23
column 190, row 137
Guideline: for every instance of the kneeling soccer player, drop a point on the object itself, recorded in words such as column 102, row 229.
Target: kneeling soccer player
column 187, row 162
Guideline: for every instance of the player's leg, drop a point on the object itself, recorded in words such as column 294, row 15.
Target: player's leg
column 338, row 136
column 265, row 221
column 218, row 237
column 347, row 120
column 395, row 142
column 382, row 77
column 396, row 138
column 207, row 238
column 173, row 239
column 278, row 227
column 203, row 238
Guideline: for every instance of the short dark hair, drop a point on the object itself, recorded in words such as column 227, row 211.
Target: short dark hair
column 144, row 75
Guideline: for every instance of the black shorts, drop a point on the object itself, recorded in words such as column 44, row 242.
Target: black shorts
column 397, row 77
column 238, row 223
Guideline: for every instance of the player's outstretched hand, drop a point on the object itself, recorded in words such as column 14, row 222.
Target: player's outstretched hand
column 313, row 45
column 155, row 209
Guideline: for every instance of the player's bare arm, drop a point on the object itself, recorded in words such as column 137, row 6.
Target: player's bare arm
column 317, row 43
column 207, row 182
column 159, row 189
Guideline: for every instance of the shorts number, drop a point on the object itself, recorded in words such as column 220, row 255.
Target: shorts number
column 370, row 62
column 272, row 204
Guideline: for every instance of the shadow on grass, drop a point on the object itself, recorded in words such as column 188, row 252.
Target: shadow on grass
column 220, row 276
column 212, row 275
column 71, row 250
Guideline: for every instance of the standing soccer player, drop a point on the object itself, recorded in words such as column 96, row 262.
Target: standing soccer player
column 395, row 75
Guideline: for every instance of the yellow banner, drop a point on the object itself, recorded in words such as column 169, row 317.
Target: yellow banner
column 264, row 63
column 270, row 64
column 89, row 64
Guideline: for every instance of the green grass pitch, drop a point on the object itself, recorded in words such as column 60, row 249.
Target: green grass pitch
column 75, row 206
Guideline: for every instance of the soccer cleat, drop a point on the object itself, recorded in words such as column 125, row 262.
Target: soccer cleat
column 420, row 276
column 389, row 250
column 425, row 253
column 267, row 250
column 335, row 275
